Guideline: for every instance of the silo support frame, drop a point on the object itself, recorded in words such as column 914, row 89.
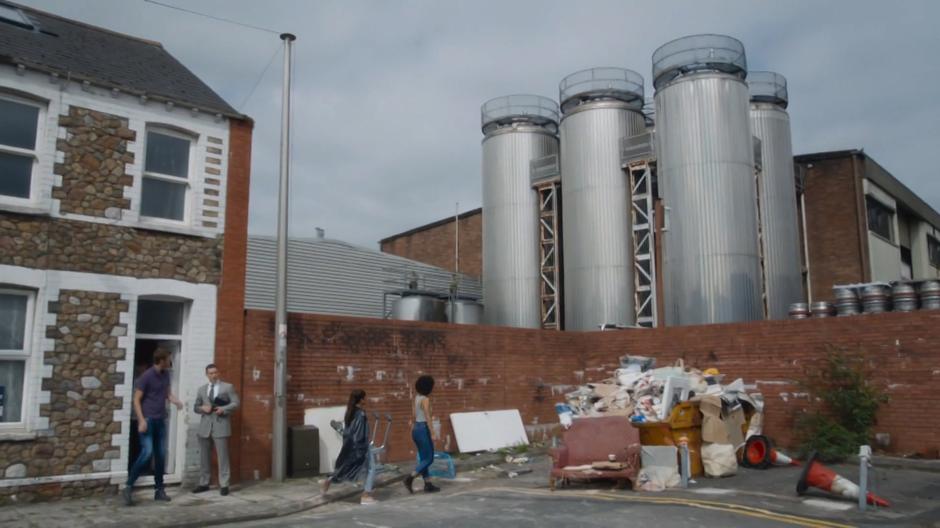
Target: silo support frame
column 758, row 174
column 549, row 254
column 644, row 248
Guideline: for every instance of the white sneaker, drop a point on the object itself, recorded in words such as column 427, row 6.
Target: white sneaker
column 365, row 501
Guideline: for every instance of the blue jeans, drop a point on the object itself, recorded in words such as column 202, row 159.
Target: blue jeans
column 421, row 435
column 370, row 472
column 152, row 443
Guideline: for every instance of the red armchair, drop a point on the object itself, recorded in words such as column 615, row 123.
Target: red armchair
column 591, row 440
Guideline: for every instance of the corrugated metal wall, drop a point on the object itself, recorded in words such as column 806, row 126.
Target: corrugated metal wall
column 334, row 277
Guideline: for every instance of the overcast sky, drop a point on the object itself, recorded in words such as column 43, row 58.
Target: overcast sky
column 387, row 93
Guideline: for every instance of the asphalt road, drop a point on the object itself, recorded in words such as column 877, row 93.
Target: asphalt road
column 504, row 506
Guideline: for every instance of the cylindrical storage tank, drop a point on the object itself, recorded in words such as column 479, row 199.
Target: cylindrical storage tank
column 419, row 306
column 846, row 302
column 705, row 159
column 904, row 297
column 517, row 129
column 930, row 295
column 464, row 311
column 600, row 106
column 770, row 123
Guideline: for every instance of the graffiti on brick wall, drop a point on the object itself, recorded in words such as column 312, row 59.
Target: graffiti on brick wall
column 357, row 339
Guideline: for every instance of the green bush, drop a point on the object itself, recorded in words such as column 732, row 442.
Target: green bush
column 848, row 405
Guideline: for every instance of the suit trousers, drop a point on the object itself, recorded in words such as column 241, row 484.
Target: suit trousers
column 205, row 456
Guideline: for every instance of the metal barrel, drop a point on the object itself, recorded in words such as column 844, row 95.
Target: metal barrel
column 874, row 299
column 821, row 309
column 799, row 310
column 930, row 295
column 904, row 296
column 846, row 302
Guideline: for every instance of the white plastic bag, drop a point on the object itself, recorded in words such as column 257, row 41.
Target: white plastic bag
column 719, row 459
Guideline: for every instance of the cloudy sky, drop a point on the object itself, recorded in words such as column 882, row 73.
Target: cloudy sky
column 387, row 93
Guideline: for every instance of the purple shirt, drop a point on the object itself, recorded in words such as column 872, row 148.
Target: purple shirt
column 155, row 386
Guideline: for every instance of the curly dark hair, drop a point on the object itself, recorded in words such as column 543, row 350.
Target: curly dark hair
column 424, row 385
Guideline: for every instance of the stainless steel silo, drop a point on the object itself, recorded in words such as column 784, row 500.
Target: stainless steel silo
column 600, row 106
column 517, row 129
column 780, row 237
column 711, row 265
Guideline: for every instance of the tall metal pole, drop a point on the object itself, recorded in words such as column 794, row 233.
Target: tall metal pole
column 278, row 434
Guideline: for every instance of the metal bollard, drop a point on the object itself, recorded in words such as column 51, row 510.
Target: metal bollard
column 864, row 457
column 685, row 462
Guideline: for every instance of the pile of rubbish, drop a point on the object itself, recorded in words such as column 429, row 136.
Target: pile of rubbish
column 647, row 394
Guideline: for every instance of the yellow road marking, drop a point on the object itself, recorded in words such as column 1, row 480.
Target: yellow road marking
column 738, row 509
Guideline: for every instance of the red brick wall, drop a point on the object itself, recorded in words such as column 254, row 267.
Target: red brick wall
column 837, row 238
column 230, row 318
column 435, row 245
column 479, row 367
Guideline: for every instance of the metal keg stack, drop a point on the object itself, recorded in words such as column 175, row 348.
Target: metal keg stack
column 847, row 302
column 799, row 310
column 821, row 309
column 875, row 299
column 872, row 298
column 904, row 297
column 930, row 295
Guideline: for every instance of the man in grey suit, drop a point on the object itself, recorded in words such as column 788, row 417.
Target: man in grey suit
column 215, row 402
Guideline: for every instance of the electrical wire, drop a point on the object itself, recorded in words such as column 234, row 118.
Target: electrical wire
column 241, row 108
column 220, row 19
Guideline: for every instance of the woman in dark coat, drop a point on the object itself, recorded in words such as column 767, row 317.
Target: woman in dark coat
column 354, row 461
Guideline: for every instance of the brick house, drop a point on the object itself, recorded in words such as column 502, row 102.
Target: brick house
column 123, row 227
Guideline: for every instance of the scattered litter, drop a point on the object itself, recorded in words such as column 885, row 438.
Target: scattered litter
column 517, row 460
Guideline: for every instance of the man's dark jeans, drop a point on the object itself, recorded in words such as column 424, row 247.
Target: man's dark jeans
column 152, row 443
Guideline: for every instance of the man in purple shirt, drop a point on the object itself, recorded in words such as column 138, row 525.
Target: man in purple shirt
column 150, row 397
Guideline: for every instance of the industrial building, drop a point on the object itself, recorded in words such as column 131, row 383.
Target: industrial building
column 328, row 276
column 608, row 211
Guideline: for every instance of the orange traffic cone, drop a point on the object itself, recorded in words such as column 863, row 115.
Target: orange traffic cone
column 759, row 453
column 819, row 476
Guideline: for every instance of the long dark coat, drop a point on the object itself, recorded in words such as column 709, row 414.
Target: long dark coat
column 351, row 464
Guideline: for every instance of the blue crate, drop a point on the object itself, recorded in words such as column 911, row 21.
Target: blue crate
column 442, row 466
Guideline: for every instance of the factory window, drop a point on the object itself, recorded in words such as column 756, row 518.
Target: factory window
column 880, row 218
column 19, row 125
column 165, row 190
column 907, row 266
column 933, row 251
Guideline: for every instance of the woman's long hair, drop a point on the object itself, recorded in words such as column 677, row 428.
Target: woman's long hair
column 355, row 397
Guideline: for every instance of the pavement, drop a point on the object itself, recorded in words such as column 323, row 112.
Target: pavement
column 484, row 495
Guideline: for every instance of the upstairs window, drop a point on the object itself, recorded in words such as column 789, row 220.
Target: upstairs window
column 165, row 189
column 19, row 124
column 933, row 251
column 880, row 218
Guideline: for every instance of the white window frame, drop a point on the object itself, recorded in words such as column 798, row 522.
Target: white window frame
column 24, row 355
column 190, row 172
column 33, row 197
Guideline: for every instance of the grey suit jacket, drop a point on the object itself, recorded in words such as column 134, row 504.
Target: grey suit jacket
column 213, row 425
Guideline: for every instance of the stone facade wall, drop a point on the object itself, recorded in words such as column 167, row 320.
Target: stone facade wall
column 82, row 399
column 44, row 243
column 93, row 171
